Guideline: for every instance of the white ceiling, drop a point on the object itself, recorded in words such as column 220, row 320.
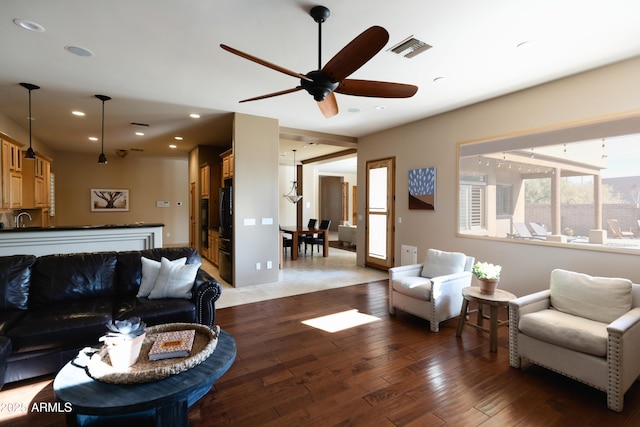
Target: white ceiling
column 160, row 60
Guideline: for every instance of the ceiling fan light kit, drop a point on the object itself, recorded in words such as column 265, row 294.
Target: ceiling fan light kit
column 324, row 82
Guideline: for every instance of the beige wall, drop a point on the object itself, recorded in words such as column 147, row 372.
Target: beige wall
column 433, row 141
column 148, row 179
column 255, row 197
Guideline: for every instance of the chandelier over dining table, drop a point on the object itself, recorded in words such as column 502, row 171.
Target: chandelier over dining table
column 293, row 195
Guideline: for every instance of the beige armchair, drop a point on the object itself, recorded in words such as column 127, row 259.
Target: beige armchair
column 586, row 328
column 431, row 290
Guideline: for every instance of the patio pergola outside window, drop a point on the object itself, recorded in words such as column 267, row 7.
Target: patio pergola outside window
column 573, row 180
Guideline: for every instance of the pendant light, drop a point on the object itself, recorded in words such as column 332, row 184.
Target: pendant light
column 102, row 159
column 30, row 155
column 292, row 195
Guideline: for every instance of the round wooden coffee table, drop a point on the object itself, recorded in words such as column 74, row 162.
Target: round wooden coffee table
column 162, row 403
column 501, row 298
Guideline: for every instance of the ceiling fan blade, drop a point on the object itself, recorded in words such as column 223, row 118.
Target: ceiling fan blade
column 329, row 106
column 376, row 89
column 356, row 53
column 265, row 63
column 270, row 95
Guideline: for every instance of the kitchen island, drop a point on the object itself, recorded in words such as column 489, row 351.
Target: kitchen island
column 82, row 238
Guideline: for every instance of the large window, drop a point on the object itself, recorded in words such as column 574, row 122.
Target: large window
column 554, row 186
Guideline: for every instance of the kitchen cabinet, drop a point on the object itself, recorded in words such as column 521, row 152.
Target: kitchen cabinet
column 205, row 181
column 36, row 182
column 213, row 247
column 11, row 176
column 227, row 164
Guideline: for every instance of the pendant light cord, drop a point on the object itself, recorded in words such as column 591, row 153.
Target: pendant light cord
column 30, row 153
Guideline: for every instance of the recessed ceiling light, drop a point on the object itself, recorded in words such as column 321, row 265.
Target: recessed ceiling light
column 29, row 25
column 93, row 138
column 353, row 110
column 78, row 113
column 438, row 79
column 380, row 107
column 524, row 44
column 178, row 138
column 80, row 51
column 173, row 146
column 140, row 133
column 194, row 116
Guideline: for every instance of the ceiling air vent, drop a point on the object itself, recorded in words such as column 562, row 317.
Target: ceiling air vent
column 410, row 47
column 141, row 125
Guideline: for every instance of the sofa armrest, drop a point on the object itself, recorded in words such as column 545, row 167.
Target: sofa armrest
column 518, row 307
column 412, row 270
column 531, row 303
column 450, row 283
column 624, row 323
column 205, row 294
column 622, row 355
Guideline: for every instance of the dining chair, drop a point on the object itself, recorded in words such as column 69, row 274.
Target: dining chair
column 319, row 238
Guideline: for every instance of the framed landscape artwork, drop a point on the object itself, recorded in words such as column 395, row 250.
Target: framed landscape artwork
column 422, row 188
column 109, row 200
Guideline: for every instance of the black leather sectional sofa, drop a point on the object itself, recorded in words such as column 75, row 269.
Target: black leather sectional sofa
column 52, row 306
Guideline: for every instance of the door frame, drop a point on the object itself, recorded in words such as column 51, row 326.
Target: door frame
column 388, row 262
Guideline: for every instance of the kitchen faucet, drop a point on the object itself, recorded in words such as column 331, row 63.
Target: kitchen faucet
column 20, row 221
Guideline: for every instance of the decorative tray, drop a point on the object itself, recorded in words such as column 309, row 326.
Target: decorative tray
column 98, row 365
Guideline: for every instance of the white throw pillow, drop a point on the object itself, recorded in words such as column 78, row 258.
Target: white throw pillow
column 150, row 271
column 174, row 281
column 439, row 263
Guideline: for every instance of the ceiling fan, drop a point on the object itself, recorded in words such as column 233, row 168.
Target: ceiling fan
column 325, row 81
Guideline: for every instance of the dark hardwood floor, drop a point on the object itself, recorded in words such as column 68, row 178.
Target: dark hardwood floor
column 390, row 372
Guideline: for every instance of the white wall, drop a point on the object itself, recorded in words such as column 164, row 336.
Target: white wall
column 433, row 141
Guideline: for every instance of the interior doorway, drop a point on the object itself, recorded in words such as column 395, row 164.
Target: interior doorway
column 380, row 205
column 330, row 188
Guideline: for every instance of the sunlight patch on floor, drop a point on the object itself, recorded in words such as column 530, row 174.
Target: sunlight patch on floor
column 340, row 321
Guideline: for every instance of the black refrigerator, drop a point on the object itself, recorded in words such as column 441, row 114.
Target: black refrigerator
column 225, row 261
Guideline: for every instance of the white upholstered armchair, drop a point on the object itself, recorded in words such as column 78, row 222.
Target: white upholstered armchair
column 586, row 328
column 431, row 290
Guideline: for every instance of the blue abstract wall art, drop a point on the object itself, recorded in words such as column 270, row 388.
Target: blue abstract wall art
column 422, row 188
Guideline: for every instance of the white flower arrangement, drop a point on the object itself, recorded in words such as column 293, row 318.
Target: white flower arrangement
column 484, row 270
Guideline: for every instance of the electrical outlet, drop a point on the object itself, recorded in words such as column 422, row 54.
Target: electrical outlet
column 269, row 265
column 258, row 266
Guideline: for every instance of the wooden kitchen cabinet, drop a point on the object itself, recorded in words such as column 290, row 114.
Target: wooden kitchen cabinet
column 205, row 181
column 227, row 164
column 213, row 247
column 11, row 176
column 36, row 182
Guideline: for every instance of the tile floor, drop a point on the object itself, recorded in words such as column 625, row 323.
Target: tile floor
column 306, row 274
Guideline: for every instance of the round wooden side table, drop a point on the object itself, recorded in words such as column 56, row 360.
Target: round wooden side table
column 501, row 298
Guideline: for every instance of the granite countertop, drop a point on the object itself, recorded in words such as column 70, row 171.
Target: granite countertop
column 79, row 227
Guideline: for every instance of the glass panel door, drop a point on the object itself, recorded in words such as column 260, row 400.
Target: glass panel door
column 379, row 229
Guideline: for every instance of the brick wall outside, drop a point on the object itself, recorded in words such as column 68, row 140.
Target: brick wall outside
column 579, row 217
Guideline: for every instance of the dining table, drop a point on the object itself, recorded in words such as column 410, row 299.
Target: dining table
column 296, row 232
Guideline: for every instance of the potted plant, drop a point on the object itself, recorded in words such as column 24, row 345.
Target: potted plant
column 488, row 275
column 124, row 341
